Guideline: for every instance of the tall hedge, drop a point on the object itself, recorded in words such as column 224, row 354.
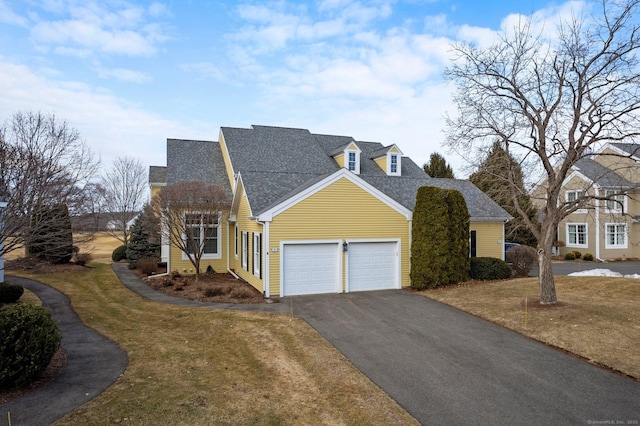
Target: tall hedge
column 458, row 220
column 439, row 238
column 429, row 233
column 52, row 238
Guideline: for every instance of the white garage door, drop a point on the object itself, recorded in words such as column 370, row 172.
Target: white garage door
column 373, row 266
column 310, row 268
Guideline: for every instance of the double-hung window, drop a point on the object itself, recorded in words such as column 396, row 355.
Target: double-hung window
column 574, row 197
column 245, row 251
column 202, row 234
column 577, row 235
column 615, row 201
column 352, row 162
column 257, row 254
column 394, row 164
column 616, row 234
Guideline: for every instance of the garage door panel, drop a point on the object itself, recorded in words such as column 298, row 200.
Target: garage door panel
column 310, row 268
column 373, row 266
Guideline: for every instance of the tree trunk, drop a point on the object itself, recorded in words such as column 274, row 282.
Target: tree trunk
column 545, row 275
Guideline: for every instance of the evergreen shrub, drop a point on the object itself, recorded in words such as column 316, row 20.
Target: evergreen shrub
column 588, row 257
column 577, row 254
column 119, row 253
column 569, row 256
column 522, row 259
column 29, row 338
column 489, row 268
column 10, row 293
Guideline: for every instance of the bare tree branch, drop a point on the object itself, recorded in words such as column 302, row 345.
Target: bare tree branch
column 554, row 100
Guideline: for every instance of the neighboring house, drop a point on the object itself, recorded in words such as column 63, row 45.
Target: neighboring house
column 315, row 213
column 607, row 228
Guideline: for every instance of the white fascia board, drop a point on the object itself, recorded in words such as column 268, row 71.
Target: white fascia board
column 579, row 175
column 621, row 152
column 237, row 197
column 340, row 174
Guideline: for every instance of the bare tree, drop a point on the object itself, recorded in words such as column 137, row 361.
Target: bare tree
column 124, row 185
column 43, row 163
column 550, row 102
column 191, row 214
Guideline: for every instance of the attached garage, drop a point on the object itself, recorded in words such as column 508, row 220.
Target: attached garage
column 311, row 268
column 316, row 267
column 373, row 266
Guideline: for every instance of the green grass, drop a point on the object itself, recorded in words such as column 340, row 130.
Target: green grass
column 597, row 318
column 193, row 366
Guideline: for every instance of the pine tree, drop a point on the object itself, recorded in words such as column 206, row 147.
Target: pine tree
column 437, row 167
column 144, row 239
column 492, row 177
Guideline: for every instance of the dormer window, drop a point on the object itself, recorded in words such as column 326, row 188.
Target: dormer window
column 394, row 164
column 352, row 162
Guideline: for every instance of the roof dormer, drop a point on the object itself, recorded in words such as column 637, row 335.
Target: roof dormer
column 389, row 159
column 349, row 157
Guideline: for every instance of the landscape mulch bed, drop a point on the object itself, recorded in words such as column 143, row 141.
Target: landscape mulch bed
column 214, row 288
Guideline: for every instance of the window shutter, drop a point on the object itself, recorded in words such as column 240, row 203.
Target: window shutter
column 260, row 255
column 250, row 256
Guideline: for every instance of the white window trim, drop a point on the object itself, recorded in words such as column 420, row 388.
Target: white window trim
column 606, row 236
column 245, row 251
column 586, row 235
column 207, row 256
column 619, row 209
column 566, row 195
column 236, row 240
column 257, row 254
column 390, row 155
column 346, row 160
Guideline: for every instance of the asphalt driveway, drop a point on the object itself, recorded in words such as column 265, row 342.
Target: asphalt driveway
column 448, row 367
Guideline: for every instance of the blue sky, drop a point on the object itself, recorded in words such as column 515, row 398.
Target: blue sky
column 130, row 74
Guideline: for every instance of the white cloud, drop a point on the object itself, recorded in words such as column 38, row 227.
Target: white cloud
column 8, row 16
column 125, row 75
column 108, row 124
column 89, row 27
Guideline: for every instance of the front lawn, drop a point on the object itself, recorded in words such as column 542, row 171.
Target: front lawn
column 598, row 318
column 201, row 366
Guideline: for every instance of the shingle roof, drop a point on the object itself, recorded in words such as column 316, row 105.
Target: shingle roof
column 157, row 174
column 277, row 163
column 601, row 175
column 196, row 160
column 629, row 148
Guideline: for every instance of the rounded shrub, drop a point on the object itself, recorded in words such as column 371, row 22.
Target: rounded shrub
column 120, row 253
column 10, row 293
column 569, row 256
column 522, row 259
column 489, row 268
column 29, row 338
column 577, row 254
column 588, row 257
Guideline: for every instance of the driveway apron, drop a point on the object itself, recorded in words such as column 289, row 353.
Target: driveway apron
column 445, row 366
column 93, row 364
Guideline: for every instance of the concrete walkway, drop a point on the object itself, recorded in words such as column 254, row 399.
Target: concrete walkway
column 93, row 364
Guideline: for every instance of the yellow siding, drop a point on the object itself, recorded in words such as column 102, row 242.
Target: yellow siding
column 339, row 159
column 625, row 167
column 341, row 211
column 489, row 236
column 251, row 226
column 382, row 163
column 395, row 150
column 155, row 190
column 185, row 267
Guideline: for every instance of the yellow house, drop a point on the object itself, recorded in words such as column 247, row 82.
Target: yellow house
column 315, row 213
